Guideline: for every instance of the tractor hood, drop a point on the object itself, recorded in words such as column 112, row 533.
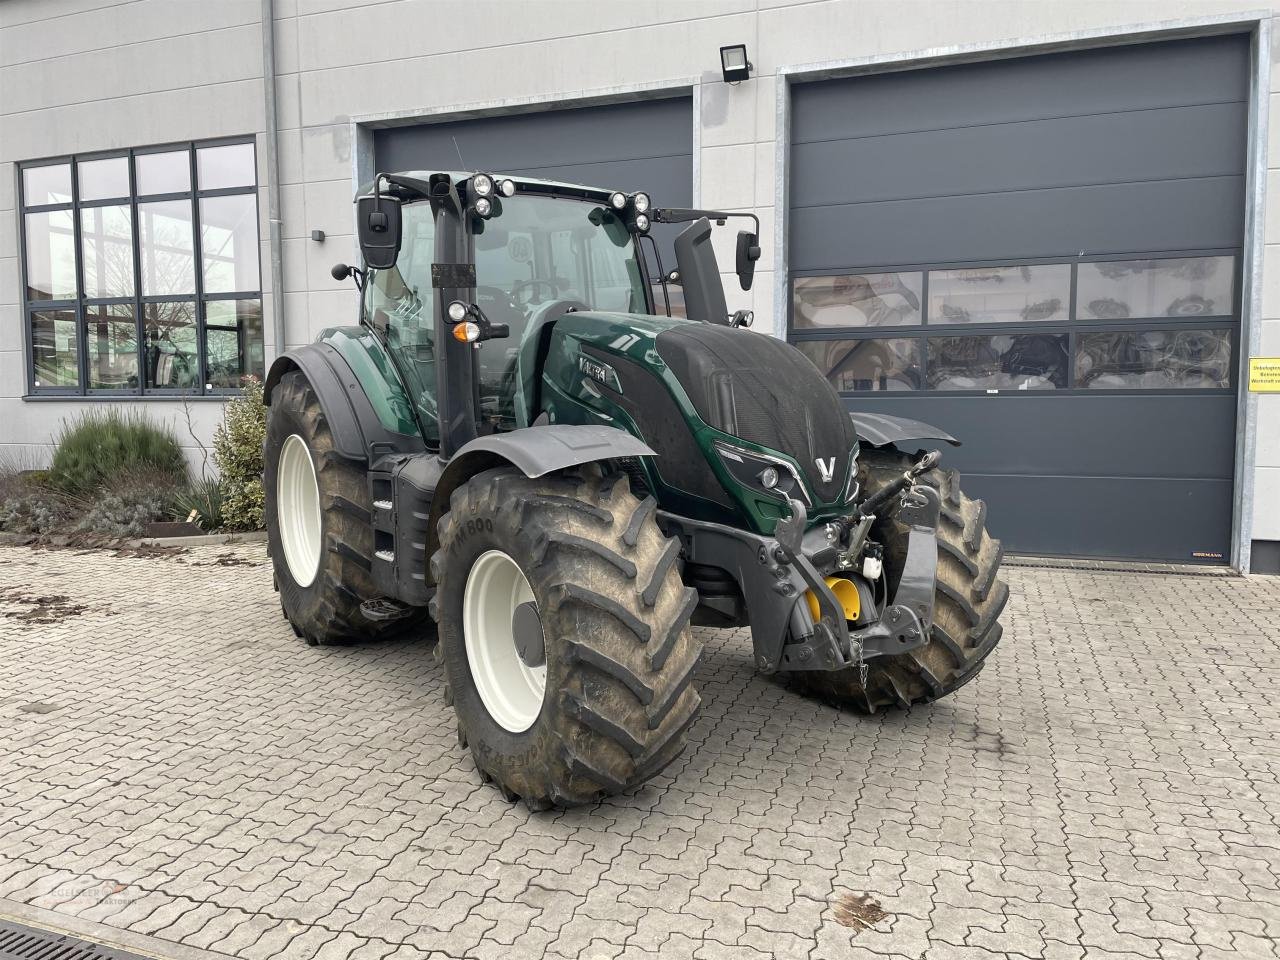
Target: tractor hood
column 719, row 404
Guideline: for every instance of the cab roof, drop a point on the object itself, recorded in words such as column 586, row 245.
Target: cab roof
column 534, row 185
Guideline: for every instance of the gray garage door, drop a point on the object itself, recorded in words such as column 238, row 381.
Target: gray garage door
column 646, row 145
column 1041, row 255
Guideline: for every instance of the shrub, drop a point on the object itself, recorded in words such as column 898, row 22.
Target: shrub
column 203, row 498
column 123, row 515
column 39, row 512
column 237, row 452
column 99, row 446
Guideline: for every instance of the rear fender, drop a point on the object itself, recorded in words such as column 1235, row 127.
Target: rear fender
column 358, row 433
column 880, row 430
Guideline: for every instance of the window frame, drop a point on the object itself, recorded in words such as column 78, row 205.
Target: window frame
column 1071, row 326
column 79, row 305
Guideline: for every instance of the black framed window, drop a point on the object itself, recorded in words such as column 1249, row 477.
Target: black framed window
column 141, row 271
column 1166, row 322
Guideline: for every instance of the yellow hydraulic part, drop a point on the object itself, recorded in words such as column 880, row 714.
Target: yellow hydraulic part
column 846, row 595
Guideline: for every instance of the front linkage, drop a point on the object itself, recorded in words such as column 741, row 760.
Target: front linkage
column 775, row 573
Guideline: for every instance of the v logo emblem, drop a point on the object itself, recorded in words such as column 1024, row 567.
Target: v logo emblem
column 827, row 468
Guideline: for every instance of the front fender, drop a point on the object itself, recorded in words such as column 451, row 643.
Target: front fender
column 881, row 430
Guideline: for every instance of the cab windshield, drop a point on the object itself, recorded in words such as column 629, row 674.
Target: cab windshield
column 540, row 258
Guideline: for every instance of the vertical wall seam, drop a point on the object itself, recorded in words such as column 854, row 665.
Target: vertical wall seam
column 271, row 144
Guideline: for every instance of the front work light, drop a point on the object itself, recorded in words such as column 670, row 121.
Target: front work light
column 482, row 184
column 507, row 188
column 641, row 200
column 457, row 311
column 642, row 222
column 484, row 206
column 618, row 200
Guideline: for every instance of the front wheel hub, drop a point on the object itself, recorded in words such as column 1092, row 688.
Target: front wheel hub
column 506, row 649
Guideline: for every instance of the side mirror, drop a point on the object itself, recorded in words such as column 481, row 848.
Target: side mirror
column 379, row 223
column 747, row 255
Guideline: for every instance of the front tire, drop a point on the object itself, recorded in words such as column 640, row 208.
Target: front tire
column 968, row 601
column 617, row 655
column 317, row 513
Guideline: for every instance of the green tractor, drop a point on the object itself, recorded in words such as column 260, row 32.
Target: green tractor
column 519, row 443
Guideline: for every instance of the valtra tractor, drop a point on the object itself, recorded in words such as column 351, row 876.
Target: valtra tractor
column 518, row 443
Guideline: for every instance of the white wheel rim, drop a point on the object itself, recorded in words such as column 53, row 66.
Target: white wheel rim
column 511, row 690
column 298, row 510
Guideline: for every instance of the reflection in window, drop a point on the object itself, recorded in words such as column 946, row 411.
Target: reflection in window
column 103, row 179
column 233, row 341
column 1179, row 287
column 41, row 185
column 998, row 362
column 229, row 243
column 163, row 172
column 1000, row 294
column 51, row 256
column 866, row 364
column 167, row 247
column 1154, row 360
column 170, row 355
column 54, row 349
column 858, row 300
column 111, row 341
column 227, row 166
column 106, row 250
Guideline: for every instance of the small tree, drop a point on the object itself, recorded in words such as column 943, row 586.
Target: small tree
column 237, row 453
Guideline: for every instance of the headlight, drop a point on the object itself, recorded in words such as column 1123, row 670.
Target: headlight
column 618, row 200
column 769, row 476
column 642, row 202
column 457, row 311
column 482, row 184
column 507, row 188
column 484, row 207
column 642, row 222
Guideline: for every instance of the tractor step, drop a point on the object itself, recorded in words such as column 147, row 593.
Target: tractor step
column 382, row 609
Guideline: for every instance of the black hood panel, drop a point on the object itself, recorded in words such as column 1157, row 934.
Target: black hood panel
column 760, row 389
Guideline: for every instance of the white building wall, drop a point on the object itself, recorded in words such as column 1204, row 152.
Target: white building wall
column 75, row 75
column 82, row 76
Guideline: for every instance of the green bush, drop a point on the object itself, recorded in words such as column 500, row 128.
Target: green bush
column 100, row 445
column 237, row 452
column 203, row 498
column 124, row 515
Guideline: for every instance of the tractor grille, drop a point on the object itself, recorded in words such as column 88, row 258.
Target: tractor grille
column 763, row 390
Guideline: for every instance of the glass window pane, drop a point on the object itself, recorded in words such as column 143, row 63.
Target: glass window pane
column 1000, row 294
column 170, row 353
column 858, row 300
column 998, row 362
column 106, row 250
column 167, row 248
column 866, row 364
column 103, row 179
column 111, row 339
column 54, row 350
column 163, row 172
column 233, row 341
column 46, row 184
column 1179, row 287
column 230, row 166
column 51, row 255
column 229, row 243
column 1154, row 360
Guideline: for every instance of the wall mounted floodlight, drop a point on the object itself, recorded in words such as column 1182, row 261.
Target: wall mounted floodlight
column 734, row 63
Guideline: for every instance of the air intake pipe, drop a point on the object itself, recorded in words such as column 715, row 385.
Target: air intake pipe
column 700, row 274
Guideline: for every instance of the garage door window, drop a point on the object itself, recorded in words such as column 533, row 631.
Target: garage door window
column 1128, row 324
column 141, row 271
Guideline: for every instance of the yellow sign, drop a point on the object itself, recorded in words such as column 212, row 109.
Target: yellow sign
column 1264, row 374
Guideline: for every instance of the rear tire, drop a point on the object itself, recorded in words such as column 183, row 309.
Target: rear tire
column 967, row 603
column 321, row 600
column 619, row 655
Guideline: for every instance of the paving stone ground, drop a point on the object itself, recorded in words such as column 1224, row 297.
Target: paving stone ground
column 174, row 763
